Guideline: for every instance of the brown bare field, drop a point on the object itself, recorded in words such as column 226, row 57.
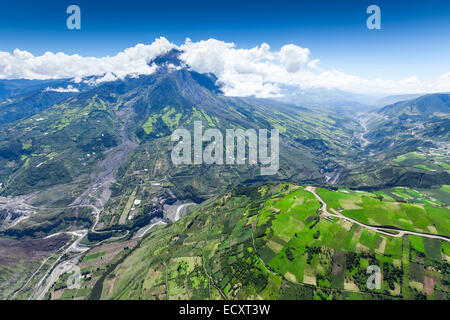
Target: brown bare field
column 428, row 284
column 13, row 252
column 56, row 295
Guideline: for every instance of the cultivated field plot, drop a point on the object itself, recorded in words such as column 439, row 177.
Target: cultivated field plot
column 270, row 242
column 373, row 209
column 92, row 266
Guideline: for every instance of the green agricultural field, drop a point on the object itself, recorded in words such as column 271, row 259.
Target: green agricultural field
column 424, row 167
column 94, row 256
column 126, row 210
column 369, row 209
column 270, row 242
column 411, row 155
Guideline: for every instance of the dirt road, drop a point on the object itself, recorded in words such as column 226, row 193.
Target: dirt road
column 399, row 232
column 95, row 196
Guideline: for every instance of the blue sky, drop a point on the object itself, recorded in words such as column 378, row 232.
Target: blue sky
column 414, row 39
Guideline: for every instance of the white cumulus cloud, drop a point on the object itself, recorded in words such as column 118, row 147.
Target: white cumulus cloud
column 258, row 71
column 61, row 89
column 23, row 64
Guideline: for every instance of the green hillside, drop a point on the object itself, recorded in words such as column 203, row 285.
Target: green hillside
column 95, row 167
column 269, row 242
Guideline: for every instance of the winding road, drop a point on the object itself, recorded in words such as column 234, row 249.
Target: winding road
column 99, row 192
column 383, row 230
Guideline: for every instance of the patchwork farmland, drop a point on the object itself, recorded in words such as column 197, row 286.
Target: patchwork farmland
column 274, row 242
